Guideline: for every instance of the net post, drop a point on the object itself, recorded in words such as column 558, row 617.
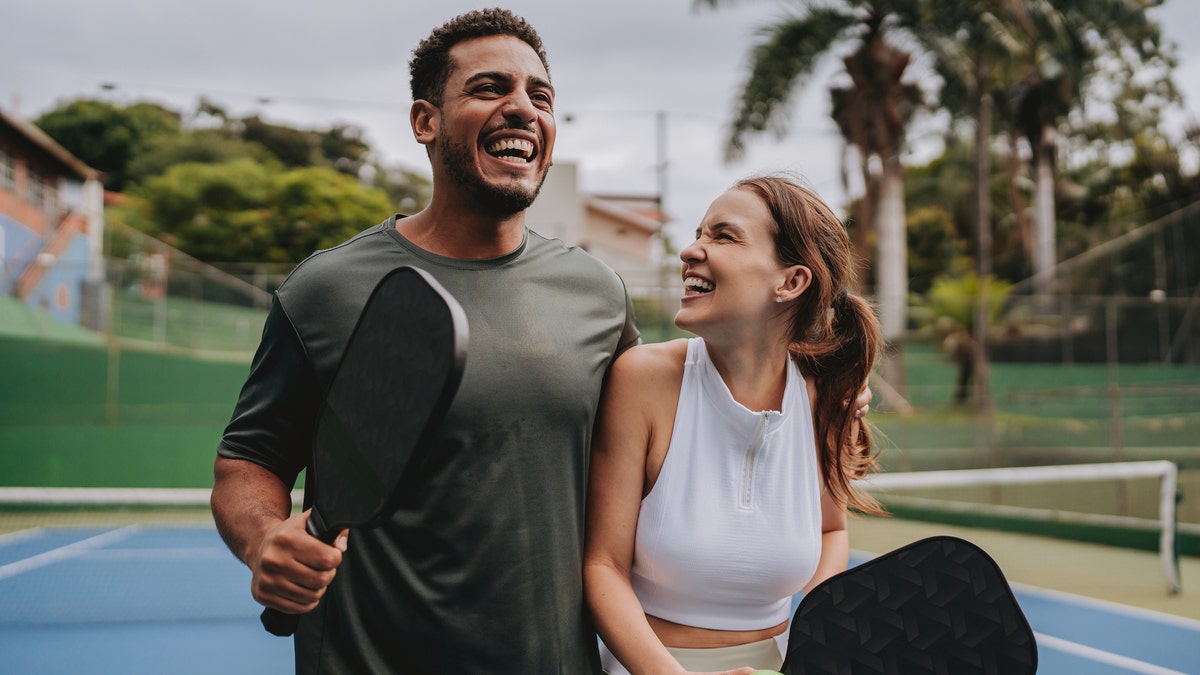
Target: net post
column 1168, row 503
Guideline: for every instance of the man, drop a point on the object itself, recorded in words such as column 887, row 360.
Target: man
column 479, row 571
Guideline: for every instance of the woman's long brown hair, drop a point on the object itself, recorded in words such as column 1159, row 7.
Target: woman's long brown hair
column 835, row 336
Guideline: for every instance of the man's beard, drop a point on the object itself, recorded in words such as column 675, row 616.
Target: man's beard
column 503, row 200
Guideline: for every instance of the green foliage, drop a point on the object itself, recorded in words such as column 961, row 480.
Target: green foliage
column 245, row 211
column 344, row 148
column 950, row 303
column 407, row 190
column 204, row 146
column 319, row 208
column 224, row 189
column 933, row 248
column 108, row 137
column 294, row 147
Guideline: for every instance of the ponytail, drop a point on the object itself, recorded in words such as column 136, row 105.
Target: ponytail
column 841, row 362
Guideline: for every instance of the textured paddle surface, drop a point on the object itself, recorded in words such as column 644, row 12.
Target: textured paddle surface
column 395, row 382
column 939, row 606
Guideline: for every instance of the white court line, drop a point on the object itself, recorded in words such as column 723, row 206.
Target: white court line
column 181, row 553
column 1101, row 656
column 20, row 535
column 65, row 552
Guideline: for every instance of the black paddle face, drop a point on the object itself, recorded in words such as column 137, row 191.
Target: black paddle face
column 397, row 377
column 939, row 606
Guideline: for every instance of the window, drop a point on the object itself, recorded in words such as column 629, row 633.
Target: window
column 8, row 171
column 35, row 188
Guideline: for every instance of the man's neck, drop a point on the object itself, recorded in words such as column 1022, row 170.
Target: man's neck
column 455, row 232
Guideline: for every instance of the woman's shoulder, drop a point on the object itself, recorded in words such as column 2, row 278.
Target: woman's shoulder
column 644, row 368
column 654, row 356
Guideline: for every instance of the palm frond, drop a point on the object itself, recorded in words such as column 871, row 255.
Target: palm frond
column 779, row 65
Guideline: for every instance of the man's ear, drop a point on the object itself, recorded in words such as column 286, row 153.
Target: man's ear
column 425, row 119
column 797, row 281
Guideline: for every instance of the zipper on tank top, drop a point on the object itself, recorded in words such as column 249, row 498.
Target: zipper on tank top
column 746, row 494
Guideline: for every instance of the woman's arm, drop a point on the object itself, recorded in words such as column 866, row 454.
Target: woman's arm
column 835, row 541
column 625, row 431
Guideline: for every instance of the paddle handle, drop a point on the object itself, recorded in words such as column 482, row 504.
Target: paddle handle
column 280, row 623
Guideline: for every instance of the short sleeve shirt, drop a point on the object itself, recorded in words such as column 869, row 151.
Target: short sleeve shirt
column 480, row 569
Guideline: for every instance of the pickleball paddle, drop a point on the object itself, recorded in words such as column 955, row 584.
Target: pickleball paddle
column 938, row 606
column 394, row 383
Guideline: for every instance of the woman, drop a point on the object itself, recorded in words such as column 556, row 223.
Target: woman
column 722, row 465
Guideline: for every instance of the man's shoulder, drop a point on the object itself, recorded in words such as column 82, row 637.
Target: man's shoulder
column 573, row 258
column 356, row 260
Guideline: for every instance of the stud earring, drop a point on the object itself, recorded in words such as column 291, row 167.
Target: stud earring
column 778, row 299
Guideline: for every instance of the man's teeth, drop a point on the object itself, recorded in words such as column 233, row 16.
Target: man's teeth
column 697, row 284
column 512, row 150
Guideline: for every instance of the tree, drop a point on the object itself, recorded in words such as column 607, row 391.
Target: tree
column 191, row 146
column 343, row 147
column 950, row 309
column 247, row 211
column 106, row 136
column 933, row 248
column 872, row 115
column 317, row 208
column 1057, row 49
column 968, row 43
column 227, row 189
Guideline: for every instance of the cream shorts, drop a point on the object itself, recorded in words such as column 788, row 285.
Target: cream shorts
column 764, row 654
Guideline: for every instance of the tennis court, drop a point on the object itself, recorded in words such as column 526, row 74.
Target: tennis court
column 152, row 594
column 157, row 598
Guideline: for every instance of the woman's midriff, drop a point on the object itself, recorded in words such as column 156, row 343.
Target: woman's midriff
column 690, row 637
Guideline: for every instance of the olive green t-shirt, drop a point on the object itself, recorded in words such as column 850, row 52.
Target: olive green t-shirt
column 480, row 570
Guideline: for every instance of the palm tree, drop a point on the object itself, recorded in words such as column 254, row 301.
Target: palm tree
column 872, row 115
column 969, row 45
column 1056, row 46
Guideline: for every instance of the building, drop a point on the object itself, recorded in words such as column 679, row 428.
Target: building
column 623, row 231
column 51, row 226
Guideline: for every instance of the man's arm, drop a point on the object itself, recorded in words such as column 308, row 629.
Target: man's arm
column 291, row 569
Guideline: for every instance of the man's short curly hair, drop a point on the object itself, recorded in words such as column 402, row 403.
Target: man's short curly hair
column 431, row 63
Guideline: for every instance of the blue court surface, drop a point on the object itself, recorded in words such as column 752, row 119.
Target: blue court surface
column 173, row 600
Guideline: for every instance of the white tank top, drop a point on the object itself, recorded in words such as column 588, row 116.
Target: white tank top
column 732, row 527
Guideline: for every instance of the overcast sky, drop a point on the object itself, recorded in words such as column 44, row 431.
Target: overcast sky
column 614, row 64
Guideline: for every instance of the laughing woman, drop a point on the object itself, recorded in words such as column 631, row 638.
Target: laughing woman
column 722, row 467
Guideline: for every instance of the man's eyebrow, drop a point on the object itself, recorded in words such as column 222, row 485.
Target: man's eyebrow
column 489, row 75
column 508, row 79
column 544, row 84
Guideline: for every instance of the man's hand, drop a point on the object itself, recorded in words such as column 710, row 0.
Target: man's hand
column 862, row 404
column 291, row 568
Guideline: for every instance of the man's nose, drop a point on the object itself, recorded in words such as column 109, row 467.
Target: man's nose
column 519, row 106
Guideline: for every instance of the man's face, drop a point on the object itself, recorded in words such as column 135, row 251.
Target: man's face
column 496, row 131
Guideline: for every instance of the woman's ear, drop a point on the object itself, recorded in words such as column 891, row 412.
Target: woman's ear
column 425, row 119
column 795, row 283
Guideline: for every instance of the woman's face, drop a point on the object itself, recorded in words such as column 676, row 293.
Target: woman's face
column 731, row 275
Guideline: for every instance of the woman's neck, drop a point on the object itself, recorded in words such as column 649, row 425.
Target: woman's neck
column 755, row 373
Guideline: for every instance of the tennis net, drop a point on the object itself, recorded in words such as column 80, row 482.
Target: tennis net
column 1122, row 503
